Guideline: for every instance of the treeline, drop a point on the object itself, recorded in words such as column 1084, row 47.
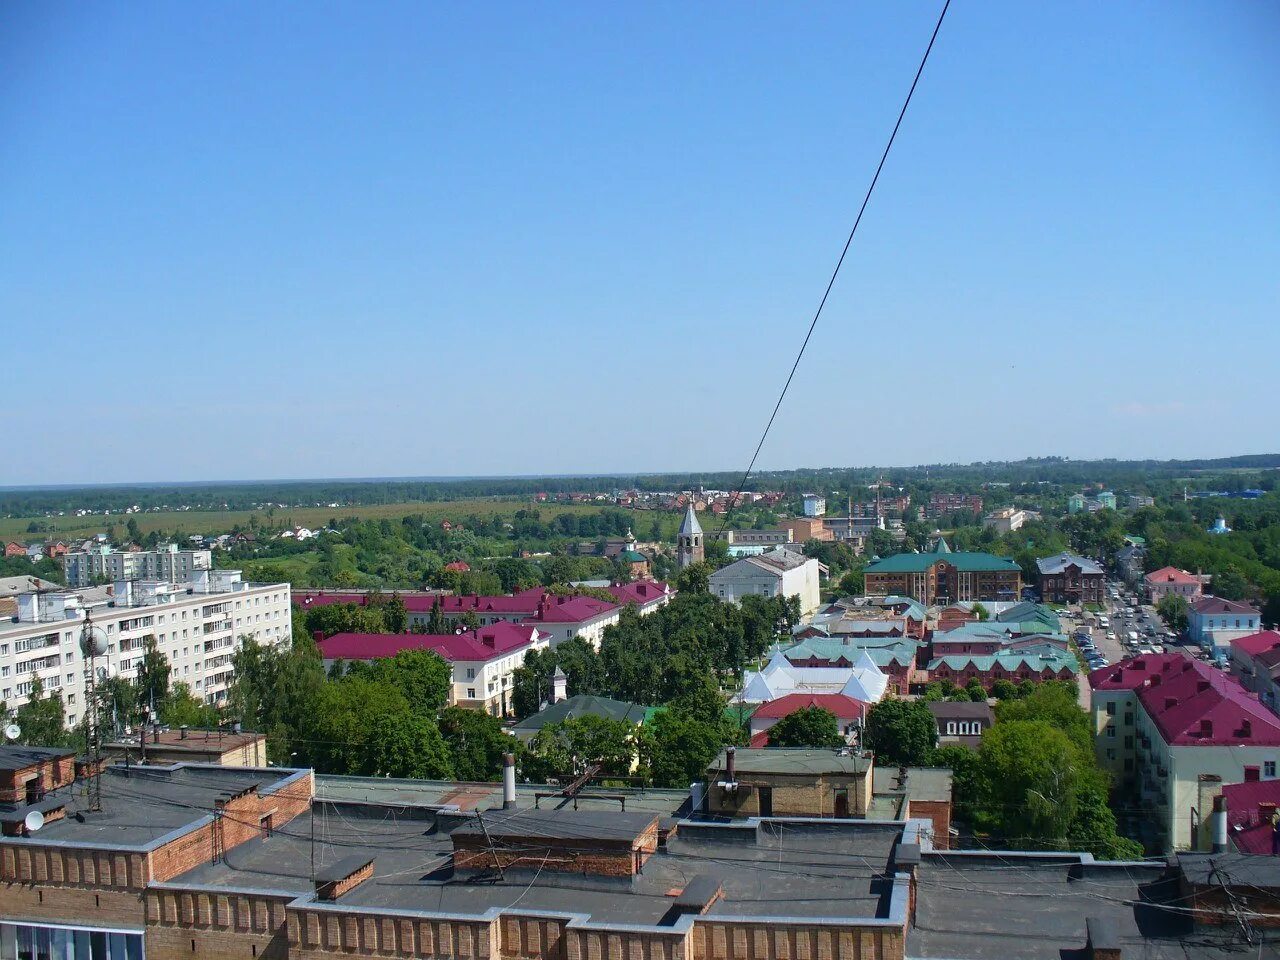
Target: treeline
column 247, row 495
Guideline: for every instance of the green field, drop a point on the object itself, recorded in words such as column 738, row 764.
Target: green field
column 187, row 522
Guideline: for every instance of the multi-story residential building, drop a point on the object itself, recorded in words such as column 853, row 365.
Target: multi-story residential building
column 1137, row 501
column 1107, row 500
column 482, row 660
column 1214, row 622
column 944, row 503
column 1169, row 581
column 564, row 617
column 106, row 564
column 198, row 627
column 1255, row 662
column 1172, row 731
column 778, row 573
column 1075, row 503
column 944, row 576
column 1070, row 578
column 814, row 505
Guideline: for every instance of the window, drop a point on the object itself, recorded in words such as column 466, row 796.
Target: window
column 1111, row 709
column 1128, row 718
column 1111, row 732
column 1269, row 769
column 471, row 673
column 951, row 728
column 1111, row 754
column 471, row 693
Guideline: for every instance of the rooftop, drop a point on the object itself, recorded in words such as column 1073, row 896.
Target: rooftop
column 1171, row 575
column 483, row 643
column 1257, row 643
column 18, row 757
column 792, row 761
column 197, row 741
column 844, row 708
column 963, row 560
column 582, row 705
column 1060, row 562
column 1212, row 605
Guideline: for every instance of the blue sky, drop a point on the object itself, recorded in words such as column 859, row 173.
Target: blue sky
column 244, row 240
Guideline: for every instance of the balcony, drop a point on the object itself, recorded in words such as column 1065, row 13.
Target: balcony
column 216, row 627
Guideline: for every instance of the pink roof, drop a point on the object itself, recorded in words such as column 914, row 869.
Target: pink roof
column 1256, row 643
column 525, row 603
column 1218, row 605
column 556, row 609
column 485, row 643
column 845, row 708
column 1170, row 575
column 640, row 592
column 1195, row 704
column 1248, row 820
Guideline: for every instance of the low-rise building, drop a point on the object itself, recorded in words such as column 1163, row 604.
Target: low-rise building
column 1255, row 662
column 1172, row 731
column 778, row 573
column 222, row 748
column 1214, row 622
column 894, row 656
column 849, row 713
column 1008, row 519
column 789, row 782
column 563, row 708
column 1070, row 578
column 961, row 723
column 482, row 661
column 864, row 681
column 944, row 576
column 1037, row 662
column 1170, row 581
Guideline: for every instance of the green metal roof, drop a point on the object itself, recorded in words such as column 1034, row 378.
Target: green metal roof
column 919, row 562
column 881, row 651
column 582, row 705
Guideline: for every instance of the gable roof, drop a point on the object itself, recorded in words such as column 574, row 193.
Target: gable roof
column 584, row 705
column 641, row 592
column 1257, row 643
column 962, row 560
column 1211, row 605
column 483, row 644
column 1249, row 830
column 1170, row 575
column 844, row 708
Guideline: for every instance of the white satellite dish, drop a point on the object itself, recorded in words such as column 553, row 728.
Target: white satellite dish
column 12, row 732
column 33, row 821
column 93, row 640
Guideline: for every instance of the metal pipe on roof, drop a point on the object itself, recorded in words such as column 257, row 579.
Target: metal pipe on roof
column 1219, row 824
column 508, row 781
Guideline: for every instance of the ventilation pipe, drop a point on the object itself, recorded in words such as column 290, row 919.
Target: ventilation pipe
column 1219, row 824
column 508, row 781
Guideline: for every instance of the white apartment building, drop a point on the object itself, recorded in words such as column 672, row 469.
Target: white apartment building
column 104, row 564
column 197, row 626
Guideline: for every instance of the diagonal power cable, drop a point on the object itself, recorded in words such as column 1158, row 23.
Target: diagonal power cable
column 836, row 272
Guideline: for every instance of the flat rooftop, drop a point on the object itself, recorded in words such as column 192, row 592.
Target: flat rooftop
column 470, row 796
column 140, row 805
column 994, row 908
column 797, row 761
column 790, row 869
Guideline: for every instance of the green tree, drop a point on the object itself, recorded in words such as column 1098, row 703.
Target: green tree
column 1174, row 611
column 976, row 692
column 901, row 732
column 695, row 578
column 677, row 748
column 181, row 708
column 476, row 743
column 152, row 678
column 421, row 676
column 1230, row 584
column 809, row 727
column 41, row 718
column 981, row 612
column 564, row 750
column 1031, row 771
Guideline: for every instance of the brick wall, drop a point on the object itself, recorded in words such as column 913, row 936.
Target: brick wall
column 224, row 925
column 813, row 796
column 39, row 864
column 316, row 934
column 107, row 908
column 938, row 812
column 53, row 773
column 713, row 940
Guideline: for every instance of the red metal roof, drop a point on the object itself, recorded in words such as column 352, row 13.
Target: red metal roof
column 1170, row 575
column 640, row 592
column 845, row 708
column 483, row 644
column 557, row 609
column 458, row 565
column 1256, row 643
column 1249, row 808
column 522, row 603
column 1218, row 605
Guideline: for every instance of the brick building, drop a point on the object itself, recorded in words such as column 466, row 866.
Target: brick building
column 1070, row 578
column 941, row 504
column 944, row 576
column 225, row 748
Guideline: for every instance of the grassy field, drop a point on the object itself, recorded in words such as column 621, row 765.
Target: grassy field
column 220, row 521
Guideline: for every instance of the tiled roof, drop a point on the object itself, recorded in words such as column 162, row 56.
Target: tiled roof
column 1211, row 605
column 844, row 708
column 1170, row 575
column 485, row 643
column 919, row 562
column 1256, row 643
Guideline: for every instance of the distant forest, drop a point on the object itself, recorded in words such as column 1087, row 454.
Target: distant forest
column 1127, row 474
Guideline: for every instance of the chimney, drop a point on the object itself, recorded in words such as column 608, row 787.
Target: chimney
column 317, row 635
column 508, row 781
column 343, row 875
column 730, row 754
column 1219, row 825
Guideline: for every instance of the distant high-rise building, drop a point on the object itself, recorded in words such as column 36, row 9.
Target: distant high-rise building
column 689, row 546
column 814, row 505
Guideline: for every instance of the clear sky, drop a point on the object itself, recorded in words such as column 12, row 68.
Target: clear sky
column 252, row 240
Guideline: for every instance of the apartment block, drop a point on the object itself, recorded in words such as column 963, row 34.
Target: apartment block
column 198, row 626
column 107, row 565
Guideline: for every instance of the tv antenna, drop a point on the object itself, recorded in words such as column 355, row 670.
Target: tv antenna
column 93, row 644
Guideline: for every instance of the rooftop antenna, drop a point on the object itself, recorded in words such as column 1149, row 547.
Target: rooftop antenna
column 93, row 644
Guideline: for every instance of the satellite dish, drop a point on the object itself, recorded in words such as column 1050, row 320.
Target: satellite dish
column 93, row 640
column 12, row 732
column 33, row 821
